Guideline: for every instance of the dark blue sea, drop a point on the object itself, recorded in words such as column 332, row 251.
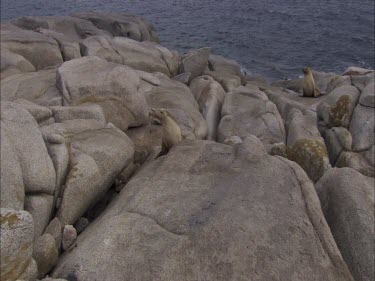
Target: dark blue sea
column 272, row 38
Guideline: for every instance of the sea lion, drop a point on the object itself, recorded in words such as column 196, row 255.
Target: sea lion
column 171, row 131
column 309, row 89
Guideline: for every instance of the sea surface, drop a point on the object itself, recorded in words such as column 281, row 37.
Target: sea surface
column 271, row 38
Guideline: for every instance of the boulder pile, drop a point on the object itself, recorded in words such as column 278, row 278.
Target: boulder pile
column 265, row 184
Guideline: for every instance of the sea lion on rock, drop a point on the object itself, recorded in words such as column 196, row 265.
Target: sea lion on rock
column 309, row 89
column 171, row 131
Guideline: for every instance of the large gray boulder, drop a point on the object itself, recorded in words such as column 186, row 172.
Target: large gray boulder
column 72, row 27
column 362, row 127
column 337, row 108
column 38, row 173
column 12, row 63
column 195, row 62
column 12, row 189
column 96, row 157
column 99, row 46
column 16, row 240
column 38, row 87
column 210, row 96
column 211, row 211
column 246, row 112
column 146, row 56
column 368, row 96
column 40, row 50
column 225, row 71
column 91, row 80
column 347, row 199
column 305, row 146
column 40, row 206
column 122, row 24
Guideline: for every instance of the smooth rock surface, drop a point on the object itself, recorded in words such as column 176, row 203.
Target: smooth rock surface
column 362, row 127
column 218, row 214
column 347, row 199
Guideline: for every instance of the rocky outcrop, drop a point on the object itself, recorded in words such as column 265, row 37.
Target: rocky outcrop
column 347, row 199
column 247, row 111
column 236, row 225
column 194, row 62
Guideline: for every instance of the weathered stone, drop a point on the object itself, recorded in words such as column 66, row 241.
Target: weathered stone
column 12, row 189
column 338, row 81
column 45, row 254
column 243, row 115
column 40, row 206
column 69, row 237
column 40, row 113
column 81, row 224
column 305, row 146
column 72, row 27
column 362, row 128
column 97, row 157
column 347, row 199
column 91, row 80
column 122, row 24
column 146, row 56
column 337, row 139
column 38, row 87
column 69, row 49
column 41, row 51
column 195, row 62
column 55, row 230
column 37, row 169
column 183, row 78
column 357, row 161
column 279, row 149
column 355, row 71
column 361, row 81
column 12, row 63
column 368, row 96
column 63, row 113
column 17, row 233
column 210, row 96
column 100, row 47
column 337, row 108
column 225, row 71
column 220, row 213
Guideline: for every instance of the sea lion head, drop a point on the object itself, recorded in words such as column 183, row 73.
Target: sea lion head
column 306, row 70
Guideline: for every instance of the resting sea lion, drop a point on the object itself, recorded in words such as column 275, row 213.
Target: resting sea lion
column 309, row 89
column 171, row 131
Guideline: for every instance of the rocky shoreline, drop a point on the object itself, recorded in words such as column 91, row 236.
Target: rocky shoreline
column 265, row 185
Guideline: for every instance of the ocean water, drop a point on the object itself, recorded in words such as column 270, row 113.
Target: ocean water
column 271, row 38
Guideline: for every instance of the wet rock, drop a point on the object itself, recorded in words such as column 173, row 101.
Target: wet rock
column 347, row 199
column 45, row 254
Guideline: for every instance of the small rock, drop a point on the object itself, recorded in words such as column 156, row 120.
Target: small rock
column 45, row 254
column 69, row 236
column 81, row 224
column 183, row 77
column 55, row 230
column 279, row 149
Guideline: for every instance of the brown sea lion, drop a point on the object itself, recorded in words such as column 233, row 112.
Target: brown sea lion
column 171, row 131
column 309, row 88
